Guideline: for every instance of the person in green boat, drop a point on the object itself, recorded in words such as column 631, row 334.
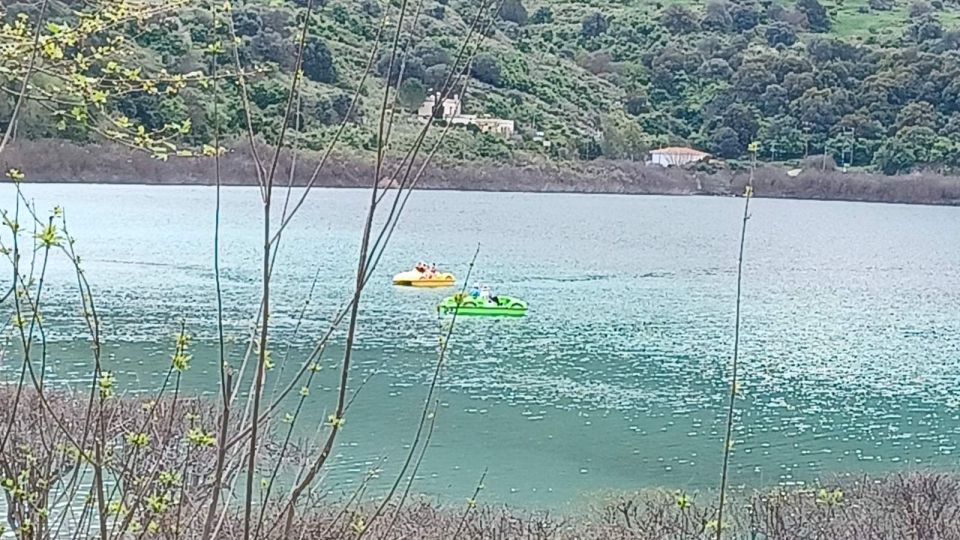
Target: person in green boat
column 487, row 295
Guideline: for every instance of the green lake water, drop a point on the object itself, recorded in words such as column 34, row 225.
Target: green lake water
column 616, row 379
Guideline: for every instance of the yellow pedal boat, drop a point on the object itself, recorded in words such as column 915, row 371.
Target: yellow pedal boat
column 420, row 279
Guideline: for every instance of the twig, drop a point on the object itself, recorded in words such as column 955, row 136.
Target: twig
column 225, row 382
column 728, row 442
column 471, row 504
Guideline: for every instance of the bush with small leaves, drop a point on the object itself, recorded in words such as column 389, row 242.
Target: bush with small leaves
column 543, row 15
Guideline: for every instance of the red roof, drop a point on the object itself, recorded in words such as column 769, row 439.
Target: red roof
column 676, row 150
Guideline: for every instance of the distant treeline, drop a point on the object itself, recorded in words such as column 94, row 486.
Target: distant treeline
column 740, row 71
column 58, row 161
column 874, row 83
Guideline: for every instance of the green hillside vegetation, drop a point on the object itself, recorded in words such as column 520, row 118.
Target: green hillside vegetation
column 872, row 82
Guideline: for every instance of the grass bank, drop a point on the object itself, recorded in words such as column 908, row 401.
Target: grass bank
column 60, row 161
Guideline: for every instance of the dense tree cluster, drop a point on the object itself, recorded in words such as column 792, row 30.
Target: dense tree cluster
column 740, row 71
column 717, row 75
column 266, row 46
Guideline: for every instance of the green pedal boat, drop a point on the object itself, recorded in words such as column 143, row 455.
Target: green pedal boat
column 500, row 306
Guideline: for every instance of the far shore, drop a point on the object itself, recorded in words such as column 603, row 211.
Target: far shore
column 52, row 161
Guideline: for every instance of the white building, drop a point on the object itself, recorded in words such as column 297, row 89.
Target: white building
column 497, row 126
column 452, row 106
column 675, row 156
column 453, row 113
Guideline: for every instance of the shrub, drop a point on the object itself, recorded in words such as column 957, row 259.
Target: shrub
column 593, row 25
column 412, row 94
column 513, row 11
column 486, row 68
column 318, row 62
column 543, row 15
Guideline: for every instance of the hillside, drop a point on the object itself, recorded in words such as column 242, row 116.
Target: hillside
column 872, row 82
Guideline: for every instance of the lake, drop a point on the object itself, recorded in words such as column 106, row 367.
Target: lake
column 616, row 379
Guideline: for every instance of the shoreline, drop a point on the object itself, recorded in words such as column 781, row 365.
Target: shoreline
column 67, row 163
column 175, row 184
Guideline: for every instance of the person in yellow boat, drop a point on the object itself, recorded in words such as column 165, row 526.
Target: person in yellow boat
column 421, row 267
column 432, row 273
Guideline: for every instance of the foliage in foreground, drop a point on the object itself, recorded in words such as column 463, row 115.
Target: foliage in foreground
column 166, row 470
column 160, row 450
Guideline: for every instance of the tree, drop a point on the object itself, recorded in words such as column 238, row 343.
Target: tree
column 817, row 16
column 725, row 143
column 513, row 11
column 543, row 15
column 919, row 9
column 952, row 127
column 637, row 103
column 371, row 8
column 745, row 15
column 593, row 25
column 434, row 77
column 949, row 42
column 924, row 28
column 318, row 62
column 623, row 141
column 894, row 157
column 911, row 146
column 334, row 109
column 753, row 77
column 493, row 147
column 410, row 68
column 780, row 33
column 588, row 148
column 485, row 68
column 268, row 93
column 612, row 141
column 797, row 83
column 679, row 19
column 774, row 100
column 781, row 138
column 276, row 20
column 717, row 17
column 635, row 142
column 247, row 22
column 715, row 68
column 271, row 47
column 430, row 54
column 671, row 65
column 862, row 125
column 918, row 114
column 742, row 120
column 821, row 109
column 144, row 109
column 412, row 94
column 822, row 50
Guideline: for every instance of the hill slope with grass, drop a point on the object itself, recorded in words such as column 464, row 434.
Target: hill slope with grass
column 875, row 83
